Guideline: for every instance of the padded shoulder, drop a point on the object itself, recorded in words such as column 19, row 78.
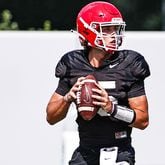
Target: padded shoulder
column 67, row 62
column 137, row 63
column 61, row 67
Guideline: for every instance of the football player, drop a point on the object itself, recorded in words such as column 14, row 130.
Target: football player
column 121, row 95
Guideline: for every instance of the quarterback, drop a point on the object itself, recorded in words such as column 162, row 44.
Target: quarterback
column 120, row 76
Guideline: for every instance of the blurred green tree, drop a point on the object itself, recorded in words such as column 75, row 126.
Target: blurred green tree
column 6, row 23
column 32, row 14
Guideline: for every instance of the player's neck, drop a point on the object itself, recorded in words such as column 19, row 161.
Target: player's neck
column 96, row 57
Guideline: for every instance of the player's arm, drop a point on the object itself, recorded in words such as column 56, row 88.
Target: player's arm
column 58, row 105
column 57, row 108
column 137, row 113
column 135, row 116
column 140, row 106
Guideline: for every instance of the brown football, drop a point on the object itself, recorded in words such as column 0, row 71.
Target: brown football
column 85, row 105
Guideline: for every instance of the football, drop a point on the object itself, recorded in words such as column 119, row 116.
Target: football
column 85, row 105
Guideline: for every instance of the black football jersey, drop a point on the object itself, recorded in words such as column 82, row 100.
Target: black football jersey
column 122, row 76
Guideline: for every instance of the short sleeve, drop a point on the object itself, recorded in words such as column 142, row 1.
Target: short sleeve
column 140, row 70
column 62, row 87
column 61, row 68
column 60, row 72
column 137, row 89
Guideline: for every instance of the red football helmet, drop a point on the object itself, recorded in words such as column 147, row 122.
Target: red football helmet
column 91, row 21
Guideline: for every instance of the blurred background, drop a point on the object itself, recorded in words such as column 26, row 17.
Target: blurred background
column 61, row 14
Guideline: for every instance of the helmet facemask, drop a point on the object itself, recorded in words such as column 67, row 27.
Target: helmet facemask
column 97, row 37
column 114, row 38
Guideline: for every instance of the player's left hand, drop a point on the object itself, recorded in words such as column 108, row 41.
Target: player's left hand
column 102, row 99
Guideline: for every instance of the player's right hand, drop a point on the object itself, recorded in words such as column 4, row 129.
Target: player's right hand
column 71, row 95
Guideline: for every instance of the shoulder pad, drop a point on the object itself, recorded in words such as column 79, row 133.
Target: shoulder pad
column 66, row 62
column 61, row 68
column 140, row 67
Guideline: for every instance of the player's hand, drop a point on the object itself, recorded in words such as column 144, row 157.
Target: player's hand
column 102, row 99
column 71, row 95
